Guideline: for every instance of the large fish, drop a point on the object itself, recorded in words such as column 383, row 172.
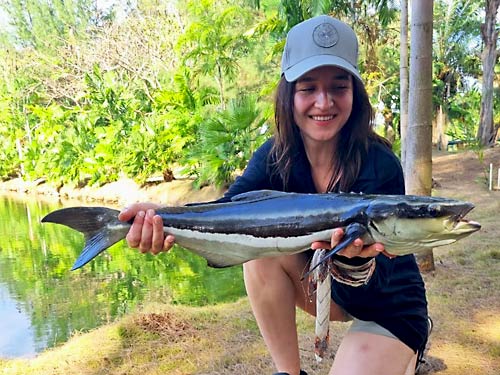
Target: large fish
column 269, row 223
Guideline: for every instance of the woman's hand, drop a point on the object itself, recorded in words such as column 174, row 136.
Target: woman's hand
column 355, row 249
column 146, row 232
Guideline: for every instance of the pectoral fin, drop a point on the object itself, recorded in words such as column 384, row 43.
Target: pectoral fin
column 351, row 232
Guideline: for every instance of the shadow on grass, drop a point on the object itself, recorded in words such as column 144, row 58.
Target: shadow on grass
column 432, row 365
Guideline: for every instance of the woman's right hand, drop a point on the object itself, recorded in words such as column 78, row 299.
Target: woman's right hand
column 146, row 232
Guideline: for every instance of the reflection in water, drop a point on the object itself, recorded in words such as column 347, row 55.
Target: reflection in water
column 43, row 302
column 16, row 339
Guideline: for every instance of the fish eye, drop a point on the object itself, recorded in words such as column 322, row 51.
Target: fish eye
column 434, row 210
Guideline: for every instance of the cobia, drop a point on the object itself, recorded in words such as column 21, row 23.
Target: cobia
column 269, row 223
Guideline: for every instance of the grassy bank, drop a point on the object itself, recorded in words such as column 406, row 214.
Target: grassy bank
column 165, row 339
column 159, row 339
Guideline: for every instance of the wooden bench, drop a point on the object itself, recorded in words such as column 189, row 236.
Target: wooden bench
column 457, row 143
column 453, row 144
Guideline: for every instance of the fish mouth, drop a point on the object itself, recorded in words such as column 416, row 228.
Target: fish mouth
column 463, row 226
column 458, row 224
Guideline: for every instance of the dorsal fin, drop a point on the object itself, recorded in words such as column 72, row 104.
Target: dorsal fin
column 257, row 195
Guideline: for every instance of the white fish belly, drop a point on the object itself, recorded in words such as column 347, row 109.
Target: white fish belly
column 222, row 249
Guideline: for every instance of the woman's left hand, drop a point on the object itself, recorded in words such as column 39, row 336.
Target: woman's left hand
column 355, row 249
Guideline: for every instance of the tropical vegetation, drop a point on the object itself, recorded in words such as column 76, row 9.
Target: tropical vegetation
column 160, row 89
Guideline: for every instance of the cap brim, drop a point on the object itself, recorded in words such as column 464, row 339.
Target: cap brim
column 306, row 65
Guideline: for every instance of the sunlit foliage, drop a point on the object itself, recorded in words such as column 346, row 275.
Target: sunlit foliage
column 172, row 88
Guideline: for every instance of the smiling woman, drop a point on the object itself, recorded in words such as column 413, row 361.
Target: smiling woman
column 322, row 105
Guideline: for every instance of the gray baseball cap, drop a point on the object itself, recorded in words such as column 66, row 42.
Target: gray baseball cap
column 316, row 42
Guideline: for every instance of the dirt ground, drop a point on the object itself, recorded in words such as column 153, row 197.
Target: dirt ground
column 464, row 290
column 465, row 172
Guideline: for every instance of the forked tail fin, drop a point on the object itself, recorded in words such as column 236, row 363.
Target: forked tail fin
column 99, row 225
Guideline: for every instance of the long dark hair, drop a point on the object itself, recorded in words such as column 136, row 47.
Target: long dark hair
column 355, row 137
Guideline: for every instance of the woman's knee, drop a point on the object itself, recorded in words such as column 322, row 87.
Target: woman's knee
column 261, row 271
column 275, row 275
column 367, row 353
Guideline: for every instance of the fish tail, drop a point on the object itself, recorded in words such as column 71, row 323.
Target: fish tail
column 99, row 225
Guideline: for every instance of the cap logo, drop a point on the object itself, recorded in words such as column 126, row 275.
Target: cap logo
column 325, row 35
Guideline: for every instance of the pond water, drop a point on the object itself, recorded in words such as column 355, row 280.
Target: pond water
column 42, row 302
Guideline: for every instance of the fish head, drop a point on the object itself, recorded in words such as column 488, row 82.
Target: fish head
column 417, row 223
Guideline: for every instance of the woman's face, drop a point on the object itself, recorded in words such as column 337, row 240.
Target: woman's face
column 322, row 103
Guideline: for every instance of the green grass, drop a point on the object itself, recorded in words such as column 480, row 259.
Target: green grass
column 158, row 339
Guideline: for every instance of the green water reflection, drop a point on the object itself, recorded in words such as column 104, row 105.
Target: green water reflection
column 35, row 278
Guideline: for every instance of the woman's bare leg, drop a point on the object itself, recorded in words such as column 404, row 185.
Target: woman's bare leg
column 410, row 370
column 274, row 288
column 364, row 353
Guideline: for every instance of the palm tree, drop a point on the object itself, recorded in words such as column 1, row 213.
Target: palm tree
column 404, row 79
column 455, row 25
column 489, row 32
column 226, row 140
column 212, row 45
column 418, row 163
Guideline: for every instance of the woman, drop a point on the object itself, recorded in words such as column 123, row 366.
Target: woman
column 324, row 142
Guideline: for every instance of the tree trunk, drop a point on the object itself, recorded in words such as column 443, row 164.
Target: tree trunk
column 487, row 132
column 439, row 137
column 418, row 163
column 403, row 76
